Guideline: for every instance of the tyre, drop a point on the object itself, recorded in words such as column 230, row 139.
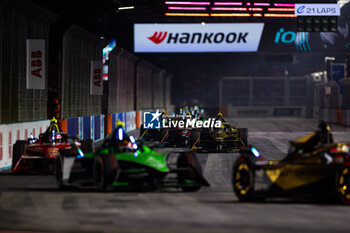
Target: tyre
column 58, row 170
column 194, row 172
column 243, row 134
column 243, row 179
column 18, row 150
column 342, row 185
column 87, row 145
column 105, row 172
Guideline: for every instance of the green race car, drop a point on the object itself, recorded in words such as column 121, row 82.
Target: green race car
column 121, row 163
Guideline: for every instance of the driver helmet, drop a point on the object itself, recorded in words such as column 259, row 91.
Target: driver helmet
column 53, row 120
column 219, row 114
column 323, row 126
column 120, row 124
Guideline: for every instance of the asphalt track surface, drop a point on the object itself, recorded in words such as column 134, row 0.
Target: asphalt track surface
column 34, row 204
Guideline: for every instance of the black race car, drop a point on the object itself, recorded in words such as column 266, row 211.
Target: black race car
column 225, row 139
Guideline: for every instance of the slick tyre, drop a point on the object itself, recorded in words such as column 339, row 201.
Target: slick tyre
column 18, row 150
column 87, row 145
column 243, row 179
column 343, row 185
column 105, row 172
column 243, row 134
column 193, row 172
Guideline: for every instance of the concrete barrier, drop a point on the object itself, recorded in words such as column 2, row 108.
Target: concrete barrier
column 9, row 133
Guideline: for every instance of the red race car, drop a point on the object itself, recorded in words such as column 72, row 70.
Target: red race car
column 39, row 155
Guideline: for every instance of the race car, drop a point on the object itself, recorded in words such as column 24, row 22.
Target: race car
column 175, row 137
column 121, row 163
column 39, row 154
column 225, row 139
column 150, row 134
column 315, row 167
column 171, row 136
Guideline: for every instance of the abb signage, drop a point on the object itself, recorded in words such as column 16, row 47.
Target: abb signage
column 225, row 37
column 96, row 82
column 35, row 64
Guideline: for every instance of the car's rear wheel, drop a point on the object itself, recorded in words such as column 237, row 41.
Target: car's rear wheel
column 189, row 172
column 105, row 172
column 343, row 184
column 243, row 179
column 18, row 150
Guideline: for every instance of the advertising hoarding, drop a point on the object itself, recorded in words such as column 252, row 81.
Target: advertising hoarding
column 36, row 64
column 182, row 38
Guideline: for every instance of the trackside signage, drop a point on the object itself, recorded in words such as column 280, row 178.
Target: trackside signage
column 96, row 81
column 35, row 64
column 182, row 38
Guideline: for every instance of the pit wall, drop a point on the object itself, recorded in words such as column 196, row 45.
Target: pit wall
column 9, row 133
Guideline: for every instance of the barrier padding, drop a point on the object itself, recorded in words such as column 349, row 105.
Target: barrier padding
column 97, row 127
column 85, row 127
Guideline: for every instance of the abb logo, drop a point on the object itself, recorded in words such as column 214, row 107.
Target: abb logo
column 36, row 63
column 158, row 37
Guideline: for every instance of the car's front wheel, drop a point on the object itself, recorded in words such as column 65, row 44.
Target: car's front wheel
column 105, row 172
column 243, row 179
column 18, row 151
column 343, row 185
column 189, row 172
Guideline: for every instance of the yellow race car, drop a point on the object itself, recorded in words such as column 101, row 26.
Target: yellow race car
column 315, row 167
column 225, row 139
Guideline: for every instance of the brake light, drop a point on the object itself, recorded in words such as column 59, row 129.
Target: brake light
column 340, row 149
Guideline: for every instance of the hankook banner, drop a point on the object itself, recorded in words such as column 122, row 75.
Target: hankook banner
column 182, row 38
column 36, row 64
